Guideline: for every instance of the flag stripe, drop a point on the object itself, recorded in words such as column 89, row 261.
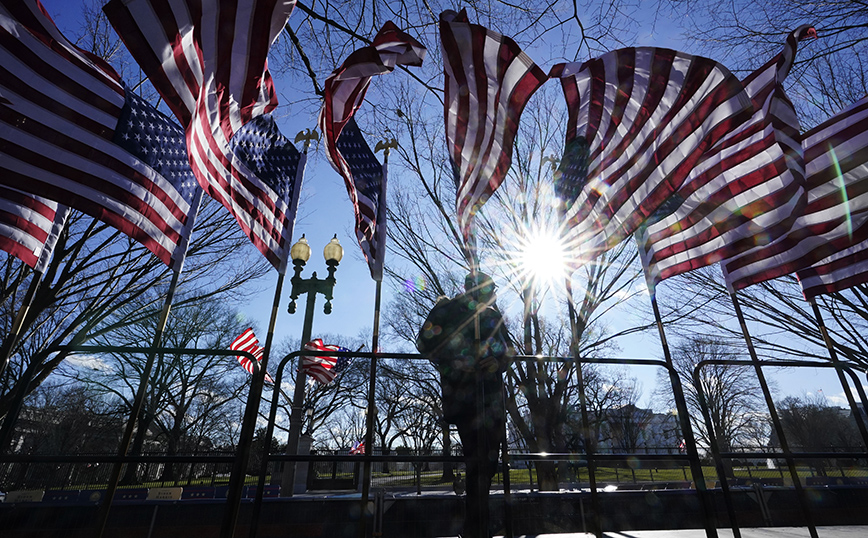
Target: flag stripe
column 26, row 224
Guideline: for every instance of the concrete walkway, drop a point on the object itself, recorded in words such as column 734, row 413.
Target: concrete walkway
column 855, row 531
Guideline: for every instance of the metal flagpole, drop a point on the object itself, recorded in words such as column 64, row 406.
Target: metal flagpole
column 583, row 406
column 380, row 240
column 27, row 375
column 833, row 356
column 776, row 421
column 251, row 409
column 57, row 227
column 138, row 402
column 684, row 420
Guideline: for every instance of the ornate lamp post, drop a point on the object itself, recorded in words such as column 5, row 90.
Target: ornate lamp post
column 300, row 254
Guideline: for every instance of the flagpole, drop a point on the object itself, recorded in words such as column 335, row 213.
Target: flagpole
column 776, row 421
column 248, row 426
column 583, row 406
column 684, row 421
column 136, row 409
column 60, row 216
column 5, row 355
column 15, row 333
column 380, row 232
column 138, row 402
column 833, row 356
column 251, row 410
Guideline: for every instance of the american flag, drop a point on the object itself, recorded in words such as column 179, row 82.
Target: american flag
column 488, row 82
column 648, row 115
column 348, row 153
column 358, row 448
column 825, row 247
column 64, row 117
column 209, row 64
column 744, row 192
column 368, row 192
column 836, row 220
column 30, row 226
column 248, row 342
column 322, row 367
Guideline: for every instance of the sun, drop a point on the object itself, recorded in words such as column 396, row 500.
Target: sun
column 543, row 257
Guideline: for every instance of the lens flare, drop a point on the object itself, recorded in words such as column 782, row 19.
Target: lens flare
column 843, row 187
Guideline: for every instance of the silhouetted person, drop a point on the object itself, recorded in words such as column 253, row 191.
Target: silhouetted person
column 472, row 382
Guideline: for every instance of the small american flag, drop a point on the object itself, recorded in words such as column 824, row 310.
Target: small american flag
column 488, row 82
column 213, row 74
column 323, row 368
column 70, row 131
column 358, row 448
column 648, row 115
column 347, row 151
column 248, row 342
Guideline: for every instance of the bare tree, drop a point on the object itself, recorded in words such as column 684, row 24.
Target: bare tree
column 828, row 75
column 812, row 425
column 732, row 393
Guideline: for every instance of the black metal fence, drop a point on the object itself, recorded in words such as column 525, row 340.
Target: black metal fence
column 417, row 471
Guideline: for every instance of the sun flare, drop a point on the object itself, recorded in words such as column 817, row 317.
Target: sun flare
column 543, row 257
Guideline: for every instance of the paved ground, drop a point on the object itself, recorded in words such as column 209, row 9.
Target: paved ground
column 768, row 532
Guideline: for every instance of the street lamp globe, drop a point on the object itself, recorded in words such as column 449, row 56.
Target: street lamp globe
column 333, row 251
column 300, row 252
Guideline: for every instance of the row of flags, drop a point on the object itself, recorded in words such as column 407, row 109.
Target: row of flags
column 674, row 150
column 699, row 166
column 72, row 131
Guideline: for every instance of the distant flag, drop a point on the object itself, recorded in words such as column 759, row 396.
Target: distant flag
column 346, row 149
column 30, row 226
column 358, row 448
column 71, row 132
column 248, row 342
column 208, row 61
column 488, row 82
column 746, row 191
column 648, row 115
column 323, row 368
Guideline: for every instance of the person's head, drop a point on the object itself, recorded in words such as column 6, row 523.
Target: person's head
column 482, row 285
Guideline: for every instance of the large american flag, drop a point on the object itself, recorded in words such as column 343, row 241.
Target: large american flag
column 648, row 115
column 323, row 368
column 208, row 61
column 70, row 132
column 744, row 192
column 488, row 82
column 30, row 226
column 247, row 341
column 826, row 241
column 348, row 153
